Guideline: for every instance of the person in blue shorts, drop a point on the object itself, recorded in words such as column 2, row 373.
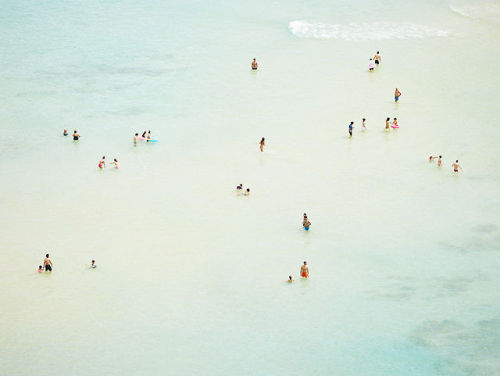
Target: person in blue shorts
column 397, row 94
column 351, row 126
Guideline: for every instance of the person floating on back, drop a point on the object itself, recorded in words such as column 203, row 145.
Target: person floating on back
column 47, row 263
column 377, row 58
column 397, row 94
column 255, row 65
column 456, row 166
column 351, row 126
column 304, row 270
column 262, row 143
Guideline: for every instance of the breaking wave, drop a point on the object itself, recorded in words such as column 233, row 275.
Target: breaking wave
column 363, row 31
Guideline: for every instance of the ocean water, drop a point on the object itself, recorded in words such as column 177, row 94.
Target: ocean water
column 404, row 256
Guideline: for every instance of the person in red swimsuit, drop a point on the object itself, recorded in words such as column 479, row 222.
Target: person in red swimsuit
column 304, row 270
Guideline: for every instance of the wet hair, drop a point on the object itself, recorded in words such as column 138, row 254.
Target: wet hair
column 248, row 189
column 289, row 277
column 137, row 134
column 440, row 157
column 387, row 119
column 352, row 122
column 254, row 59
column 74, row 131
column 116, row 160
column 93, row 261
column 378, row 52
column 103, row 157
column 305, row 262
column 39, row 266
column 395, row 118
column 364, row 119
column 47, row 255
column 456, row 161
column 262, row 139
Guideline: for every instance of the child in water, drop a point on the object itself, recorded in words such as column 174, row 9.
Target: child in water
column 115, row 162
column 363, row 124
column 247, row 192
column 65, row 132
column 290, row 279
column 40, row 269
column 93, row 265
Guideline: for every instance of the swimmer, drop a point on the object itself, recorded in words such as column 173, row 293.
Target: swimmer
column 387, row 123
column 239, row 187
column 397, row 94
column 431, row 158
column 247, row 192
column 255, row 65
column 76, row 136
column 135, row 139
column 351, row 126
column 371, row 65
column 304, row 270
column 93, row 265
column 65, row 132
column 456, row 166
column 306, row 224
column 144, row 134
column 440, row 161
column 363, row 124
column 262, row 144
column 377, row 58
column 40, row 269
column 149, row 136
column 102, row 162
column 290, row 279
column 395, row 123
column 47, row 263
column 115, row 162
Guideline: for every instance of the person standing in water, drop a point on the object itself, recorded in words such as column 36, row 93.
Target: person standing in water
column 397, row 94
column 76, row 136
column 363, row 124
column 47, row 263
column 247, row 192
column 93, row 265
column 135, row 139
column 456, row 166
column 255, row 65
column 395, row 123
column 65, row 132
column 431, row 158
column 371, row 65
column 102, row 162
column 377, row 58
column 387, row 123
column 149, row 136
column 290, row 279
column 440, row 161
column 115, row 162
column 40, row 268
column 304, row 270
column 351, row 126
column 262, row 144
column 144, row 135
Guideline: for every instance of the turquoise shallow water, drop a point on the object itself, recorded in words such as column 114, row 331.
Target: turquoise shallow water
column 191, row 278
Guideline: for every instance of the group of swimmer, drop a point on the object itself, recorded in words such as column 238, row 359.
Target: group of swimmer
column 304, row 272
column 145, row 137
column 102, row 163
column 76, row 136
column 388, row 125
column 47, row 265
column 239, row 189
column 456, row 166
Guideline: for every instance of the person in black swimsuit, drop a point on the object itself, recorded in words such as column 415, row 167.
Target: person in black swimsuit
column 47, row 263
column 76, row 136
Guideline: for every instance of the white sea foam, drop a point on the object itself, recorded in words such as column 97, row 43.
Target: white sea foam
column 487, row 10
column 364, row 31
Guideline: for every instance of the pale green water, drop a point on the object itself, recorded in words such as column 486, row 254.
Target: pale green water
column 190, row 280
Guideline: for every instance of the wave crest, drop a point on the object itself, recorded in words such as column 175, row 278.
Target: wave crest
column 363, row 31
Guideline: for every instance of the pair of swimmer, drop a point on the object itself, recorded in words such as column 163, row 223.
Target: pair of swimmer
column 102, row 163
column 304, row 272
column 239, row 188
column 374, row 61
column 439, row 162
column 394, row 124
column 305, row 222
